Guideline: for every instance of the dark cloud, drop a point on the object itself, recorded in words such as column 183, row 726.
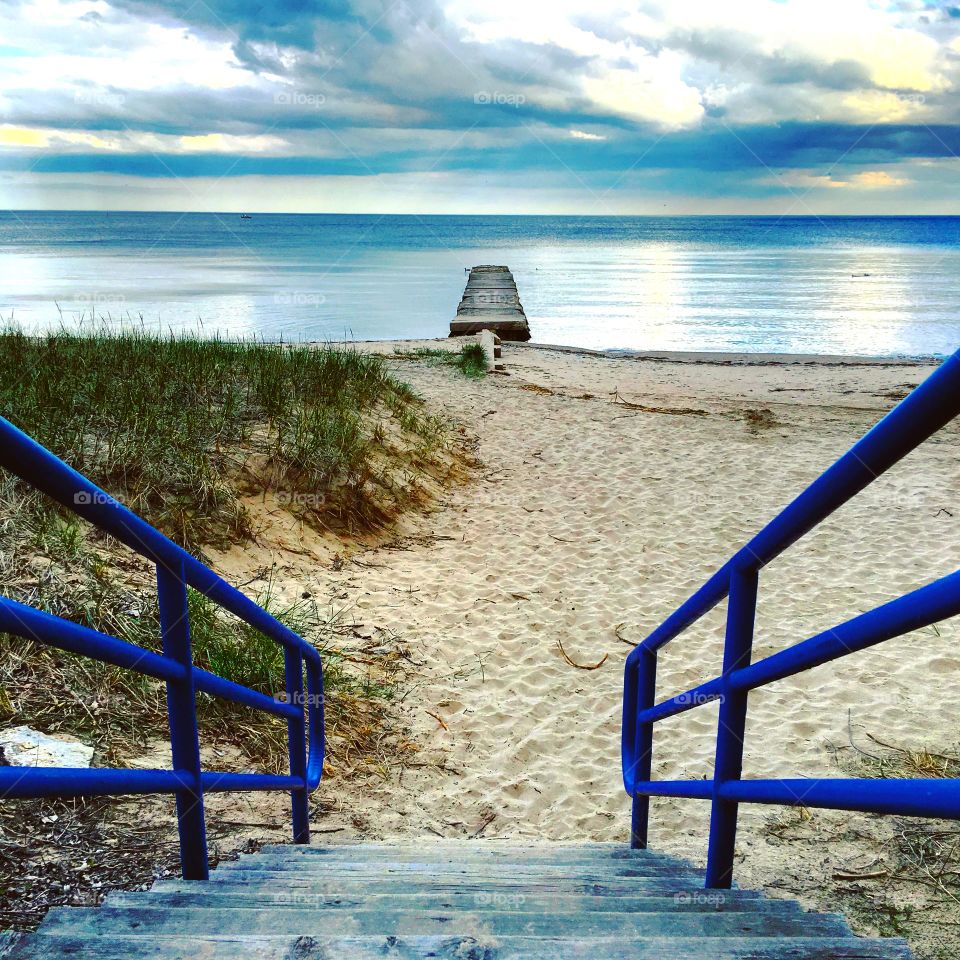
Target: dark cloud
column 689, row 155
column 298, row 23
column 737, row 52
column 356, row 87
column 333, row 33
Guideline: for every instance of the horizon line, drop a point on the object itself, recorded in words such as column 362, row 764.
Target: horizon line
column 593, row 216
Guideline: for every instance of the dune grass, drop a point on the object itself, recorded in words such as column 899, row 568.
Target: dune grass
column 174, row 426
column 470, row 359
column 182, row 430
column 194, row 435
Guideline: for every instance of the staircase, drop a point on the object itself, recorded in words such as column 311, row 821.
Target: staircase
column 450, row 901
column 489, row 900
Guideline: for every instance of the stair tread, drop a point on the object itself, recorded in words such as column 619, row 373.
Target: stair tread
column 561, row 853
column 255, row 862
column 276, row 921
column 8, row 940
column 448, row 901
column 560, row 903
column 623, row 885
column 460, row 948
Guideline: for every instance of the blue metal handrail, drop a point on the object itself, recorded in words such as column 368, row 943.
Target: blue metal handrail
column 928, row 408
column 176, row 570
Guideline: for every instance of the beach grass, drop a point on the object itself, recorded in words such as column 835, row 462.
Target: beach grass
column 195, row 435
column 470, row 359
column 177, row 426
column 181, row 429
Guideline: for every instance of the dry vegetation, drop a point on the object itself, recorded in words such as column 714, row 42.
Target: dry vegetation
column 896, row 876
column 182, row 430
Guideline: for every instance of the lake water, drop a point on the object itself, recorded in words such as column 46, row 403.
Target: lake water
column 845, row 285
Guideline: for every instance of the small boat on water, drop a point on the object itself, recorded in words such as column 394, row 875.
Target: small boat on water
column 245, row 216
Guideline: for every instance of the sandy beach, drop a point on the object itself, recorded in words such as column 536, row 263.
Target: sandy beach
column 608, row 490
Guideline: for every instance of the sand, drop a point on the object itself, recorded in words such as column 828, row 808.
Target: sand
column 589, row 518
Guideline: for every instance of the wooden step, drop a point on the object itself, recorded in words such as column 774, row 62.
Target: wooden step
column 596, row 871
column 228, row 895
column 460, row 948
column 448, row 901
column 444, row 886
column 488, row 853
column 286, row 922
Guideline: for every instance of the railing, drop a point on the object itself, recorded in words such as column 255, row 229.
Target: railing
column 928, row 408
column 176, row 570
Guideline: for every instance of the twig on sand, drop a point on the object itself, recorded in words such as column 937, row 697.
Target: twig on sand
column 863, row 753
column 620, row 636
column 643, row 408
column 438, row 718
column 582, row 666
column 487, row 820
column 442, row 765
column 876, row 875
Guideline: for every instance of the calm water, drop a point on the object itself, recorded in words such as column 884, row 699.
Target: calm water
column 886, row 286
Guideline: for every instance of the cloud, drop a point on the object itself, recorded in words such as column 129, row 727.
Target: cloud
column 224, row 143
column 872, row 179
column 650, row 90
column 807, row 180
column 829, row 96
column 584, row 135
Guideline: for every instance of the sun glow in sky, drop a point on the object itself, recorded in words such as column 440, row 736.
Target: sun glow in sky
column 475, row 106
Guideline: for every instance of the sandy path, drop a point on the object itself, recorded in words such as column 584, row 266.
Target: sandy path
column 587, row 515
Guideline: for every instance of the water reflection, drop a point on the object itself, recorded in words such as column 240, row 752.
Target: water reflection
column 657, row 295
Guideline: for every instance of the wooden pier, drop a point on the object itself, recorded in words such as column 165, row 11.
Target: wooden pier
column 490, row 302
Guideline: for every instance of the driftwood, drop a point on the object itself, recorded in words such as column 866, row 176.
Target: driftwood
column 581, row 666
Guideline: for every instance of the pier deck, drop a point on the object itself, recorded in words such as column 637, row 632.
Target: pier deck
column 490, row 302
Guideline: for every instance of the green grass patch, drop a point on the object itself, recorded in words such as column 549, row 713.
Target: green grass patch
column 188, row 433
column 173, row 426
column 185, row 432
column 470, row 359
column 102, row 586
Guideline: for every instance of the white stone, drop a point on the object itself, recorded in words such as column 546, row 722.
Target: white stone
column 486, row 341
column 25, row 747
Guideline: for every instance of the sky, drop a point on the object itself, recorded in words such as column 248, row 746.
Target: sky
column 786, row 107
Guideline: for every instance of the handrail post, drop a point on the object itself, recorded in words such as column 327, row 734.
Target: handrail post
column 297, row 743
column 646, row 695
column 731, row 726
column 182, row 718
